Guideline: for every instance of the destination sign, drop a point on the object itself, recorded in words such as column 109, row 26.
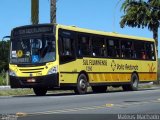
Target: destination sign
column 20, row 60
column 32, row 30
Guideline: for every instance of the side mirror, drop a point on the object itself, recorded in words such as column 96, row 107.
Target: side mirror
column 4, row 47
column 4, row 39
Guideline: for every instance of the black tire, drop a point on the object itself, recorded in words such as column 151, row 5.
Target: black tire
column 99, row 89
column 40, row 91
column 133, row 86
column 82, row 85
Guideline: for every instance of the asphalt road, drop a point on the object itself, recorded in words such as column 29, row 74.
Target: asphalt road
column 145, row 101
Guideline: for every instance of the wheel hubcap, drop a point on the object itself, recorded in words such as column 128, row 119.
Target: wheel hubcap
column 82, row 84
column 135, row 82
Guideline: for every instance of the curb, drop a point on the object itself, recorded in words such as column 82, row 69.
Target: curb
column 5, row 87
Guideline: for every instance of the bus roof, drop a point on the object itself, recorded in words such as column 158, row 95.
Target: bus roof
column 74, row 28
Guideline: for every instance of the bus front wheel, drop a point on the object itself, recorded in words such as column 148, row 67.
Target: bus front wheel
column 40, row 91
column 133, row 86
column 82, row 84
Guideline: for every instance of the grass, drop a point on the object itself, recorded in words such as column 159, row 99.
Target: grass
column 22, row 92
column 16, row 92
column 2, row 81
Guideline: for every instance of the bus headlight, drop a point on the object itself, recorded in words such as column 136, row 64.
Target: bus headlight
column 53, row 70
column 12, row 73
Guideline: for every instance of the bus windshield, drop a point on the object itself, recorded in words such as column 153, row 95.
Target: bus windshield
column 32, row 50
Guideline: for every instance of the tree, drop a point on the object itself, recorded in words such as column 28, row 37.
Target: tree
column 4, row 55
column 53, row 11
column 34, row 11
column 139, row 13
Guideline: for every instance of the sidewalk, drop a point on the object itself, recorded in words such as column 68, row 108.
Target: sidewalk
column 143, row 84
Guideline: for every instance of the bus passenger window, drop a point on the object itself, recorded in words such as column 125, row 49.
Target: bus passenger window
column 111, row 51
column 143, row 52
column 113, row 48
column 127, row 49
column 140, row 50
column 123, row 50
column 67, row 50
column 152, row 51
column 99, row 48
column 84, row 46
column 143, row 55
column 103, row 50
column 117, row 48
column 150, row 54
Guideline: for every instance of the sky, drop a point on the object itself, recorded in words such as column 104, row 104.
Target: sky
column 103, row 15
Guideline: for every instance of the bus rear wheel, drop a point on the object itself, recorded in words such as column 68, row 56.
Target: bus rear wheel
column 99, row 89
column 82, row 84
column 133, row 86
column 40, row 91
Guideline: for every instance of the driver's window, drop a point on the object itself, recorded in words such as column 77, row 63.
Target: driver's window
column 36, row 45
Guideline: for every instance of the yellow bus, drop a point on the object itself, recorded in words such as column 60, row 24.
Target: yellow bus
column 52, row 56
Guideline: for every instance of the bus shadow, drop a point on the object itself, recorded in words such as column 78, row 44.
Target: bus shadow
column 67, row 94
column 88, row 93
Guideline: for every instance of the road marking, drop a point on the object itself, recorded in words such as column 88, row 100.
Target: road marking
column 21, row 114
column 69, row 110
column 109, row 105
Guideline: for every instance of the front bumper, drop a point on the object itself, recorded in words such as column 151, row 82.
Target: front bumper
column 48, row 81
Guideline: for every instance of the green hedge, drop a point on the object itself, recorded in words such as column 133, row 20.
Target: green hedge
column 3, row 78
column 4, row 55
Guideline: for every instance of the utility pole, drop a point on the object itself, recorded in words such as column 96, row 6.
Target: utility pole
column 53, row 11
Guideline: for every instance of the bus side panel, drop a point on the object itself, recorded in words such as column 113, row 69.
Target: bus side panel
column 68, row 73
column 109, row 77
column 116, row 70
column 148, row 71
column 113, row 71
column 144, row 77
column 68, row 77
